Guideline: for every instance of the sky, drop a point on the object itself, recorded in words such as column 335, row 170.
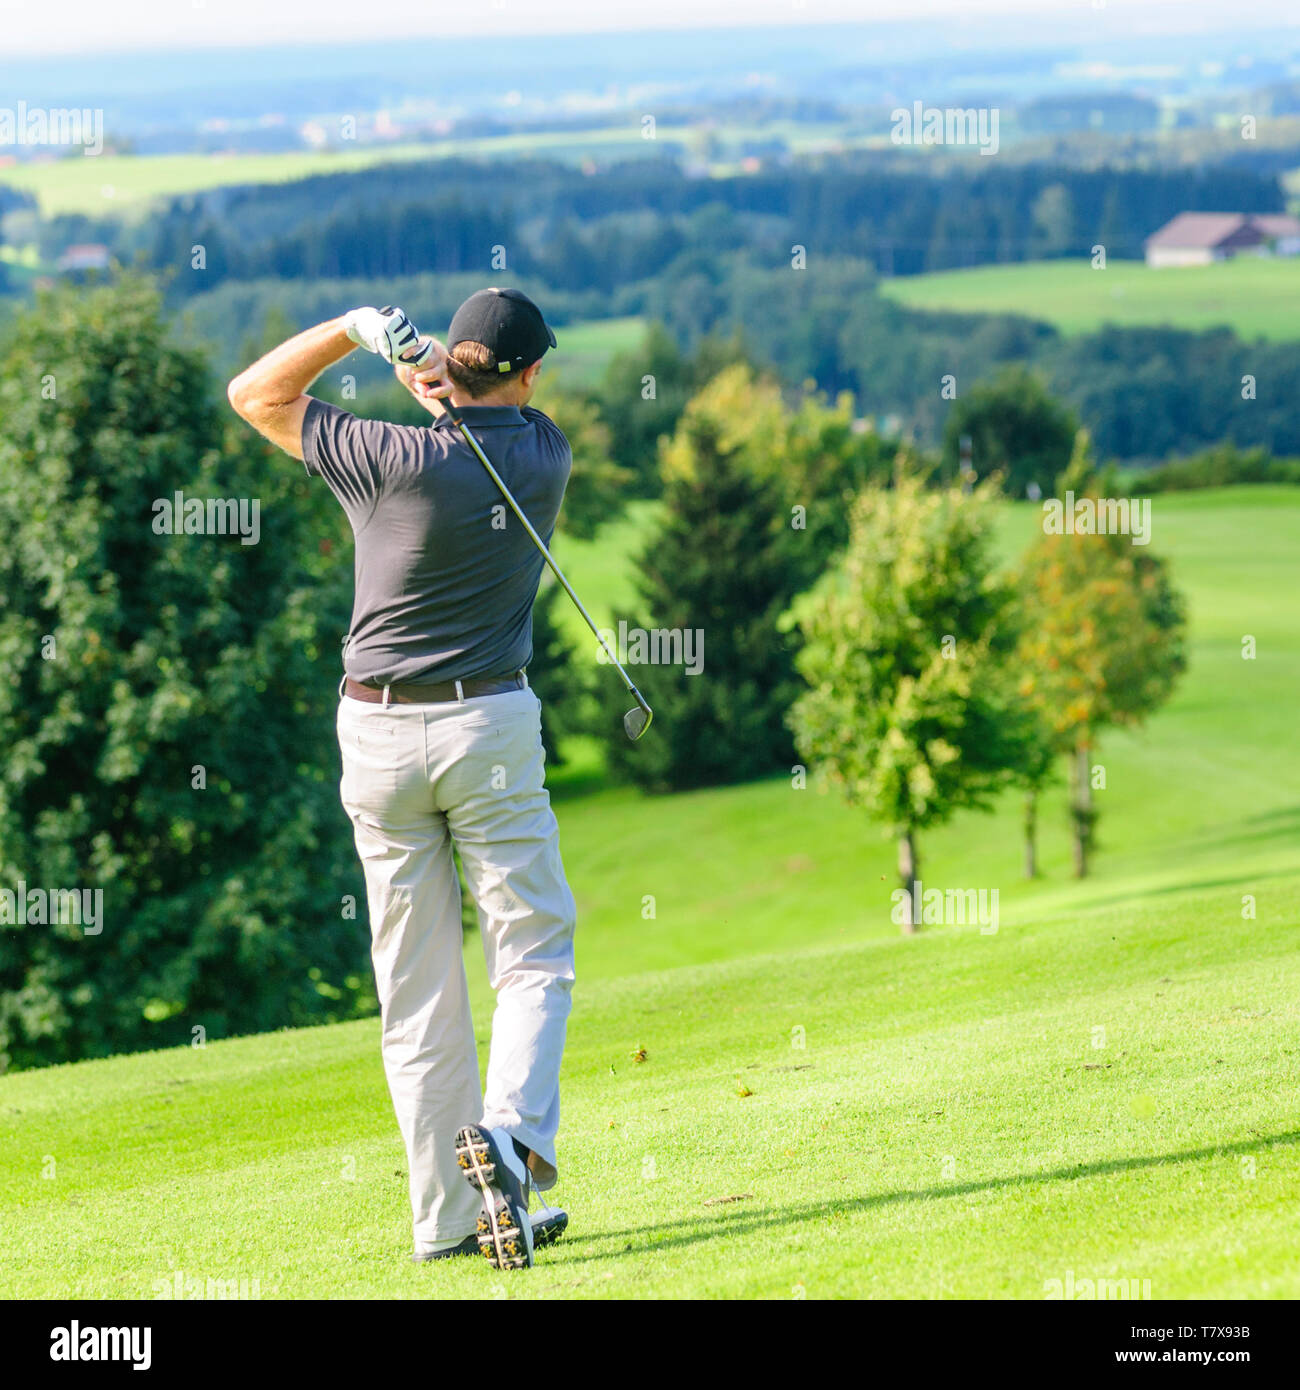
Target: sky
column 93, row 25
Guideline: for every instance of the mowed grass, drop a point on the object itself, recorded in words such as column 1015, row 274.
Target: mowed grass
column 1103, row 1085
column 1256, row 298
column 954, row 1116
column 603, row 571
column 1204, row 795
column 584, row 349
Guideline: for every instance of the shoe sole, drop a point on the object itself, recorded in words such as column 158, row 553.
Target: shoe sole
column 500, row 1239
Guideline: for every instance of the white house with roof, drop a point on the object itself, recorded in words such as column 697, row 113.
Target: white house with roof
column 88, row 256
column 1282, row 231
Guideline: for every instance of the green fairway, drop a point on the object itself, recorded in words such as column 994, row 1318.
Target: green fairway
column 950, row 1128
column 584, row 349
column 1257, row 298
column 601, row 570
column 1102, row 1088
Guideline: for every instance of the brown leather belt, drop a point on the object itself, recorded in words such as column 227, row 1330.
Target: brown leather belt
column 440, row 691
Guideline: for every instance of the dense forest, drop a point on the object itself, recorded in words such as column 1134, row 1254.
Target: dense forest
column 789, row 256
column 636, row 221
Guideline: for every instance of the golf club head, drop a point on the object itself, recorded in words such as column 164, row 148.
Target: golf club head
column 637, row 721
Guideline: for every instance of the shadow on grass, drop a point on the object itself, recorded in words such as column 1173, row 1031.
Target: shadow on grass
column 736, row 1221
column 1289, row 816
column 1281, row 824
column 1134, row 896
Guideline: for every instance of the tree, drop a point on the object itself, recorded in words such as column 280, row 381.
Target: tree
column 169, row 702
column 816, row 452
column 1015, row 428
column 1102, row 644
column 562, row 680
column 1038, row 770
column 598, row 487
column 644, row 391
column 1080, row 476
column 714, row 579
column 911, row 710
column 1053, row 221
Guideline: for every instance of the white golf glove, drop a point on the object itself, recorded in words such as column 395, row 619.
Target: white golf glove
column 387, row 332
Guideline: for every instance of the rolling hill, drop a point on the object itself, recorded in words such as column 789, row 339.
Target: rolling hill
column 1253, row 297
column 1103, row 1087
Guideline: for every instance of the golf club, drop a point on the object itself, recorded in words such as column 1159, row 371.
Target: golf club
column 636, row 721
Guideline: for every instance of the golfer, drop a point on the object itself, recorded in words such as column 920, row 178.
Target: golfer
column 441, row 740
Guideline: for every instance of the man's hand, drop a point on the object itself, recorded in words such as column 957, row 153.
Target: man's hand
column 387, row 332
column 428, row 382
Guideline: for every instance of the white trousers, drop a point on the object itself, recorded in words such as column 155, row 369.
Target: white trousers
column 414, row 778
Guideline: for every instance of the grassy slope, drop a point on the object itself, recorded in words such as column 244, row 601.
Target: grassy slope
column 276, row 1158
column 949, row 1129
column 584, row 349
column 1209, row 784
column 1256, row 298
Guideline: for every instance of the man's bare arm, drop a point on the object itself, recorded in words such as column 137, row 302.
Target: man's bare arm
column 272, row 394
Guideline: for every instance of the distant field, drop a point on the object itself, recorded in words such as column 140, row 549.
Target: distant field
column 103, row 183
column 98, row 185
column 1256, row 298
column 585, row 348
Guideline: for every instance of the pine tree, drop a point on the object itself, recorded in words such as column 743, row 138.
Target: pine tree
column 717, row 570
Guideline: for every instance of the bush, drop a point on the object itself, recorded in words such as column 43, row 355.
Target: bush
column 1220, row 466
column 168, row 713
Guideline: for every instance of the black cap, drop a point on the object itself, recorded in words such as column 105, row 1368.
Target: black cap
column 507, row 323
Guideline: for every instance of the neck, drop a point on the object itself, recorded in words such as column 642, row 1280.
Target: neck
column 460, row 400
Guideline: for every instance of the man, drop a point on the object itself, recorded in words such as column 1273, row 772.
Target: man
column 441, row 739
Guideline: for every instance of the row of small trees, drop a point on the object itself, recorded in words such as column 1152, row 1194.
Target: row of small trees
column 855, row 617
column 936, row 682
